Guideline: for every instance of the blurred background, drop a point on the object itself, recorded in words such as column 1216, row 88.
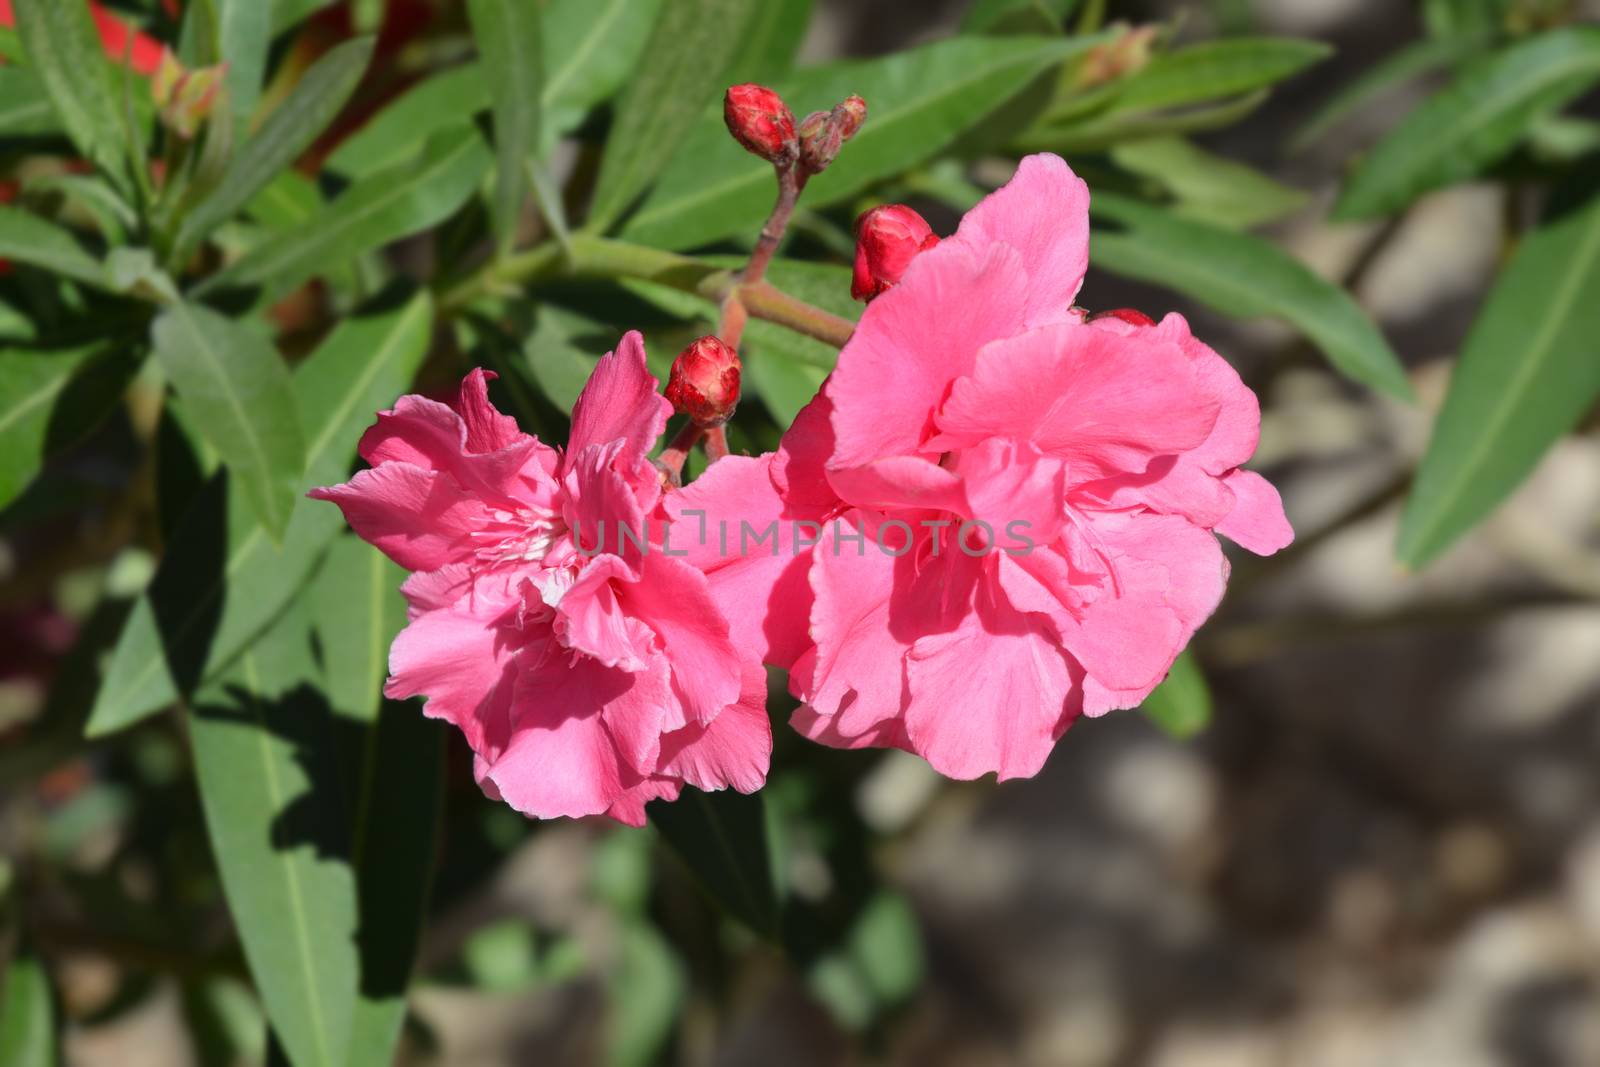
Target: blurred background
column 1383, row 849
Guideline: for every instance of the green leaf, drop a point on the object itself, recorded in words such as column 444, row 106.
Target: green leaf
column 286, row 132
column 722, row 839
column 693, row 45
column 1412, row 61
column 25, row 107
column 27, row 238
column 648, row 988
column 918, row 102
column 561, row 353
column 27, row 1016
column 49, row 400
column 222, row 580
column 447, row 100
column 385, row 207
column 1208, row 187
column 1528, row 373
column 509, row 47
column 1017, row 16
column 286, row 14
column 1473, row 122
column 236, row 391
column 1242, row 275
column 64, row 52
column 265, row 757
column 244, row 35
column 590, row 48
column 770, row 44
column 1216, row 69
column 1181, row 704
column 1098, row 131
column 398, row 763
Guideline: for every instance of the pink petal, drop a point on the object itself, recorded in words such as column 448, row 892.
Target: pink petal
column 988, row 696
column 888, row 732
column 1108, row 404
column 674, row 601
column 628, row 809
column 602, row 509
column 916, row 339
column 419, row 518
column 1257, row 521
column 1042, row 212
column 1016, row 489
column 590, row 617
column 901, row 482
column 620, row 403
column 563, row 759
column 733, row 749
column 487, row 429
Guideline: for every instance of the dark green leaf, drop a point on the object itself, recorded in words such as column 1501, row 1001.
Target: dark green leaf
column 1473, row 122
column 49, row 400
column 693, row 46
column 558, row 361
column 65, row 53
column 27, row 1016
column 509, row 50
column 722, row 839
column 770, row 43
column 385, row 207
column 286, row 132
column 1412, row 61
column 1242, row 275
column 1181, row 705
column 1528, row 372
column 222, row 581
column 25, row 107
column 1098, row 131
column 447, row 100
column 236, row 391
column 918, row 102
column 265, row 756
column 288, row 13
column 27, row 238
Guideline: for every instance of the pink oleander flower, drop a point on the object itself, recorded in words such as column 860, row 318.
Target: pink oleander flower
column 588, row 673
column 1016, row 504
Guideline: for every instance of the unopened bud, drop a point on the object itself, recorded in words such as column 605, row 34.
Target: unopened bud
column 758, row 119
column 1127, row 315
column 1128, row 54
column 888, row 238
column 823, row 133
column 704, row 384
column 186, row 98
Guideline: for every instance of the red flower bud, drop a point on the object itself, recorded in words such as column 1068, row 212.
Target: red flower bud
column 888, row 238
column 704, row 384
column 1128, row 315
column 823, row 133
column 758, row 119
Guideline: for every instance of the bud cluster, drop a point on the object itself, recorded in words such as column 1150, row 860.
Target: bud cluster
column 186, row 98
column 760, row 120
column 823, row 133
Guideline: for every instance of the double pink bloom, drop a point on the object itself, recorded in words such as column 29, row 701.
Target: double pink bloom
column 1016, row 509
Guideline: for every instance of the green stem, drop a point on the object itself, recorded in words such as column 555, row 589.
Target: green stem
column 598, row 257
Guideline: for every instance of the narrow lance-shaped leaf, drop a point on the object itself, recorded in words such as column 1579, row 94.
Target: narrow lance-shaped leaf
column 694, row 44
column 265, row 756
column 1208, row 187
column 380, row 209
column 722, row 839
column 222, row 580
column 1216, row 69
column 64, row 51
column 287, row 132
column 1529, row 370
column 917, row 103
column 507, row 34
column 236, row 391
column 395, row 759
column 27, row 1015
column 24, row 106
column 1401, row 66
column 1473, row 122
column 51, row 399
column 1242, row 275
column 27, row 238
column 1181, row 704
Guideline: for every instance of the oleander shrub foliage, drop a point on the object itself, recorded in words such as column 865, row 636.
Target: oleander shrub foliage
column 332, row 335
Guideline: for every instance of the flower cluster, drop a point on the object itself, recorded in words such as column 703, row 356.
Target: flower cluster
column 975, row 408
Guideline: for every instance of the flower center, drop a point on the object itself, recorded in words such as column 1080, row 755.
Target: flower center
column 524, row 534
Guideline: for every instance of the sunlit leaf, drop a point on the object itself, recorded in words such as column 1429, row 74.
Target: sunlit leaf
column 1207, row 186
column 236, row 391
column 510, row 53
column 27, row 1015
column 27, row 238
column 1529, row 370
column 1181, row 705
column 25, row 107
column 64, row 52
